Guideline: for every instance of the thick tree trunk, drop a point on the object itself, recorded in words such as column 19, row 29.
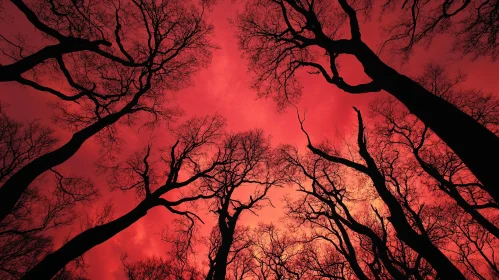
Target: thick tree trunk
column 221, row 259
column 14, row 187
column 475, row 145
column 13, row 71
column 421, row 244
column 54, row 262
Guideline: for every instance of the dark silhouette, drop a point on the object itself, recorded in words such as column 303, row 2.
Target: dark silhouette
column 415, row 235
column 133, row 84
column 194, row 136
column 175, row 267
column 324, row 208
column 43, row 207
column 250, row 170
column 433, row 157
column 239, row 262
column 473, row 25
column 414, row 197
column 280, row 255
column 281, row 41
column 75, row 40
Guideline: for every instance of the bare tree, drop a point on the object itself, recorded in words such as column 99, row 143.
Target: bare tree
column 446, row 172
column 250, row 172
column 473, row 24
column 415, row 225
column 475, row 248
column 165, row 43
column 188, row 156
column 324, row 208
column 150, row 269
column 23, row 235
column 176, row 266
column 239, row 260
column 323, row 262
column 74, row 32
column 293, row 34
column 242, row 266
column 278, row 255
column 20, row 143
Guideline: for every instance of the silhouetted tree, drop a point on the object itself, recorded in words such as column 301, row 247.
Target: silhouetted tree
column 165, row 43
column 278, row 255
column 420, row 233
column 241, row 266
column 473, row 24
column 239, row 261
column 23, row 235
column 448, row 173
column 188, row 156
column 150, row 269
column 475, row 247
column 323, row 262
column 476, row 228
column 20, row 143
column 71, row 26
column 248, row 174
column 325, row 209
column 292, row 34
column 176, row 266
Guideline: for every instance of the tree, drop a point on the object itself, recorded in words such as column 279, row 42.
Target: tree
column 325, row 208
column 475, row 248
column 23, row 235
column 239, row 263
column 278, row 255
column 116, row 86
column 408, row 220
column 287, row 37
column 472, row 23
column 250, row 169
column 74, row 33
column 150, row 269
column 175, row 267
column 446, row 172
column 187, row 156
column 475, row 216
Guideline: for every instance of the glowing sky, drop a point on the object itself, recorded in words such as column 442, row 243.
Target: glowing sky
column 224, row 88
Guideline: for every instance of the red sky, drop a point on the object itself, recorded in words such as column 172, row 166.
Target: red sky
column 224, row 88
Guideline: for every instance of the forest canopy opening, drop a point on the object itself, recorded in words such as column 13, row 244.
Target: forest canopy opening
column 255, row 139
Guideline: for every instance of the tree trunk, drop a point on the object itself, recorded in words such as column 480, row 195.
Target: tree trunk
column 378, row 243
column 14, row 187
column 209, row 276
column 421, row 244
column 221, row 259
column 13, row 71
column 475, row 145
column 454, row 193
column 418, row 242
column 80, row 244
